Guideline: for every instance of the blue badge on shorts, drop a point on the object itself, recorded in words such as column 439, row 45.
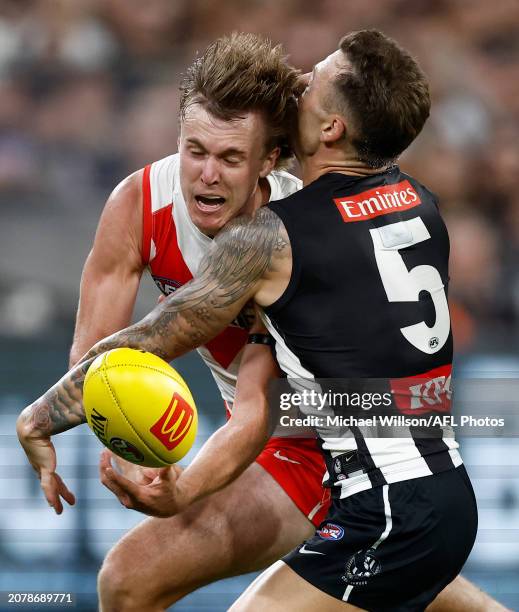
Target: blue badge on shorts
column 330, row 531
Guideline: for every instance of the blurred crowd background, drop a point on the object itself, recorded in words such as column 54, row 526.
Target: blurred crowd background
column 89, row 93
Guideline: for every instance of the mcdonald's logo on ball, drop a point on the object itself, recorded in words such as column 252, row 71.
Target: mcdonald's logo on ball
column 140, row 407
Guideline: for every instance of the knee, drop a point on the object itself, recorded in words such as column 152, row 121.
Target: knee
column 121, row 588
column 114, row 588
column 124, row 585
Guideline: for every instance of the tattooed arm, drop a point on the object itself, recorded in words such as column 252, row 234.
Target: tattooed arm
column 226, row 454
column 53, row 413
column 248, row 259
column 244, row 260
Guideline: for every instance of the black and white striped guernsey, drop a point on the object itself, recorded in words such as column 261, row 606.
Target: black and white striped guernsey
column 367, row 299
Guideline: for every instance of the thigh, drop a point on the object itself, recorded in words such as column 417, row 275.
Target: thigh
column 280, row 589
column 242, row 528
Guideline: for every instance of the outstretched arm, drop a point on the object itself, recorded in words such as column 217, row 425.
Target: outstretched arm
column 242, row 259
column 225, row 455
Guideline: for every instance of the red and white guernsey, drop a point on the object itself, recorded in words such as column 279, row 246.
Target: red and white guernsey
column 173, row 247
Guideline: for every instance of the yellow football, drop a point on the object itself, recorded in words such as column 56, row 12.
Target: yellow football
column 139, row 407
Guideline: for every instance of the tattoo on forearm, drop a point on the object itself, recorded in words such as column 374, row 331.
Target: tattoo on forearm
column 192, row 315
column 61, row 407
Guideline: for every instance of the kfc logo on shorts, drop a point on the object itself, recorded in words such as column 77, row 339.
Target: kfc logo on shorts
column 173, row 425
column 379, row 201
column 330, row 531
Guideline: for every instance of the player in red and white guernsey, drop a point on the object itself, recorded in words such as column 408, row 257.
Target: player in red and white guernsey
column 163, row 218
column 172, row 248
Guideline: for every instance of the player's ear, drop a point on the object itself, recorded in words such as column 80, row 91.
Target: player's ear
column 269, row 162
column 333, row 129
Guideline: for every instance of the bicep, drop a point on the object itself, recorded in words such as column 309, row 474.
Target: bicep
column 106, row 305
column 111, row 274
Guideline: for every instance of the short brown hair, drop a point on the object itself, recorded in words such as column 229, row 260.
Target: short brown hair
column 243, row 73
column 386, row 94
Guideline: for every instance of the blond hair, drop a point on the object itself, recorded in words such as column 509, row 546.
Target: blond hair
column 243, row 73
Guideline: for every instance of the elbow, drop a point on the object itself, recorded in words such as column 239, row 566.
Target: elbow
column 74, row 357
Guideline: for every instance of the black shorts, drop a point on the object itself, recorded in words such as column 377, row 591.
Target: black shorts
column 395, row 547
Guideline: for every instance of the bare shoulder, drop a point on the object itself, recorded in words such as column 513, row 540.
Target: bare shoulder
column 261, row 234
column 126, row 198
column 119, row 233
column 253, row 255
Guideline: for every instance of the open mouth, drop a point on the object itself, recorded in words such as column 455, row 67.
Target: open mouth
column 207, row 203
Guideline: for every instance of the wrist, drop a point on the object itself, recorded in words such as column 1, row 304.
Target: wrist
column 29, row 425
column 185, row 494
column 261, row 338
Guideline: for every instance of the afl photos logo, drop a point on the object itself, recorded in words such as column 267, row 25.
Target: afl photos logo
column 173, row 425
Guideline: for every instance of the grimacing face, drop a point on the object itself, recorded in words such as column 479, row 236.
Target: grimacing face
column 220, row 165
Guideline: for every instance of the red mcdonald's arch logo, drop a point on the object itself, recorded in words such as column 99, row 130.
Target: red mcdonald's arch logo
column 173, row 425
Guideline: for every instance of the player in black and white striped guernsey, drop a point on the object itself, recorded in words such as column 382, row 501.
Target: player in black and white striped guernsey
column 383, row 273
column 365, row 298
